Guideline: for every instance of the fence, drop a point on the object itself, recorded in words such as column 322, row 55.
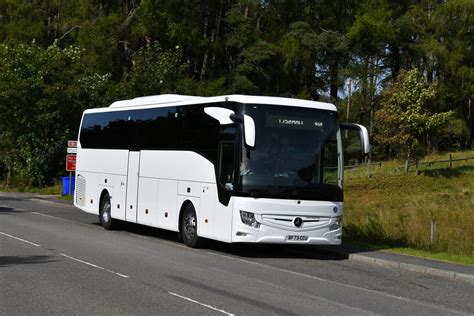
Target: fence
column 417, row 164
column 369, row 164
column 424, row 233
column 432, row 227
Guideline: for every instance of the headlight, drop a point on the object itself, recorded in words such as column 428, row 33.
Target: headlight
column 249, row 219
column 337, row 223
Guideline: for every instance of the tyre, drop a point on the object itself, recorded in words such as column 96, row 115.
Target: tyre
column 188, row 227
column 105, row 214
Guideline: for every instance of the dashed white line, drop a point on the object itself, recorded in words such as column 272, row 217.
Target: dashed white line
column 50, row 202
column 20, row 239
column 160, row 241
column 13, row 208
column 65, row 220
column 50, row 216
column 6, row 206
column 95, row 266
column 202, row 304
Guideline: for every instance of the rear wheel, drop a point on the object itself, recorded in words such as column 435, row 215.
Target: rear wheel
column 105, row 214
column 188, row 227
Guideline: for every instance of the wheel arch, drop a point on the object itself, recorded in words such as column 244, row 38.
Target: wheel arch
column 181, row 211
column 102, row 194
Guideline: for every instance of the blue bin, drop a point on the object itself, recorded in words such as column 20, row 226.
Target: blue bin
column 65, row 181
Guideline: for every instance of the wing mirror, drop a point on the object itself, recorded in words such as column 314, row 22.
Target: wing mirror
column 363, row 134
column 226, row 116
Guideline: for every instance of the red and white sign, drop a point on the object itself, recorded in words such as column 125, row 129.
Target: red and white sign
column 72, row 150
column 72, row 143
column 70, row 162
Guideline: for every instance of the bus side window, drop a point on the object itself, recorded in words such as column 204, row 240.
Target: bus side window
column 226, row 162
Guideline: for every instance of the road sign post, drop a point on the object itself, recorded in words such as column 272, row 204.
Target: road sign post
column 71, row 161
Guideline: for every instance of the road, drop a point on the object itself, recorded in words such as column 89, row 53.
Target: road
column 55, row 259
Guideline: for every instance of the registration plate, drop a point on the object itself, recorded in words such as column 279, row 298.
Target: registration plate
column 296, row 238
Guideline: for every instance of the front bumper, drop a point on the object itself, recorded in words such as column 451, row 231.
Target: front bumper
column 323, row 235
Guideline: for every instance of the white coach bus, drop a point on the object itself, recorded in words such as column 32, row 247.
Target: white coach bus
column 231, row 168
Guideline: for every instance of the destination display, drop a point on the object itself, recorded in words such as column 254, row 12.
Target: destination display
column 293, row 122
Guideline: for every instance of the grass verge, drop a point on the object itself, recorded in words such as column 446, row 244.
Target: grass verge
column 51, row 190
column 394, row 208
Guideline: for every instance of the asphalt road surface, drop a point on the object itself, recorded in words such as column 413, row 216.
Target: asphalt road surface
column 55, row 259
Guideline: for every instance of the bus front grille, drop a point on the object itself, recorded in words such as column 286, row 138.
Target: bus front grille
column 288, row 221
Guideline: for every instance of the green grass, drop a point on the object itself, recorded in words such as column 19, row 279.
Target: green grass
column 66, row 197
column 394, row 208
column 51, row 190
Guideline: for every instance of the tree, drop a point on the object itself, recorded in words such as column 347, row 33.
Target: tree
column 404, row 118
column 42, row 95
column 368, row 37
column 443, row 52
column 156, row 71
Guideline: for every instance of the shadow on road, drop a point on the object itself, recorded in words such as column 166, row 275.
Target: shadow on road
column 246, row 250
column 4, row 209
column 6, row 261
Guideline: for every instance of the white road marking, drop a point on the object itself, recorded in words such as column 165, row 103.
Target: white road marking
column 202, row 304
column 10, row 207
column 62, row 219
column 95, row 266
column 50, row 202
column 160, row 241
column 23, row 240
column 66, row 220
column 339, row 284
column 13, row 208
column 309, row 295
column 133, row 234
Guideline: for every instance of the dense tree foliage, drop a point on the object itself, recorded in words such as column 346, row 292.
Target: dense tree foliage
column 59, row 57
column 42, row 95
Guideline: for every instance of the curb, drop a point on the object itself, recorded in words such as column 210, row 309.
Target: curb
column 413, row 268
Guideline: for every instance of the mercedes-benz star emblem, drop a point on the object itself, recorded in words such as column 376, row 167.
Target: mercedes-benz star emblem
column 298, row 222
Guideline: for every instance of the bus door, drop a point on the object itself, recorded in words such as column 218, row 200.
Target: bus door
column 132, row 186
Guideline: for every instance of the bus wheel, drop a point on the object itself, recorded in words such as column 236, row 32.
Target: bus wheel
column 105, row 215
column 189, row 227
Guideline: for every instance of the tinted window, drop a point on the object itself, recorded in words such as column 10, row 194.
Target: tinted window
column 172, row 128
column 107, row 130
column 200, row 132
column 158, row 128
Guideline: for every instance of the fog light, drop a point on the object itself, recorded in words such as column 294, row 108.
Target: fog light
column 249, row 219
column 337, row 223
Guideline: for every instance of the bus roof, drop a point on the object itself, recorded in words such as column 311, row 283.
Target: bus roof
column 178, row 100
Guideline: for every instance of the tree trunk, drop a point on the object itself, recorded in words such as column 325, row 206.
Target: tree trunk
column 215, row 36
column 470, row 119
column 206, row 53
column 334, row 79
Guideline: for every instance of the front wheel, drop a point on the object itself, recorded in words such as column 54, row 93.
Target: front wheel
column 188, row 227
column 105, row 214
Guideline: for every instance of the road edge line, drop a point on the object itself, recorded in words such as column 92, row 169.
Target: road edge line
column 413, row 268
